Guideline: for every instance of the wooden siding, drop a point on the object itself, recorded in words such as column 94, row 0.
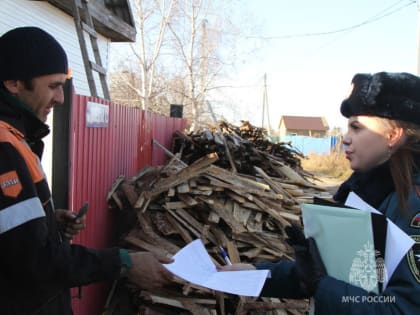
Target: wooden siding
column 115, row 24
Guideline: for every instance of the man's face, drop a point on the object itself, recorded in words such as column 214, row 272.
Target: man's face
column 46, row 92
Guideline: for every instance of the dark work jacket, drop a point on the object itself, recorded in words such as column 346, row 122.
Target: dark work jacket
column 333, row 296
column 37, row 267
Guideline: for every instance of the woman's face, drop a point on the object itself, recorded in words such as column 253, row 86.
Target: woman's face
column 368, row 141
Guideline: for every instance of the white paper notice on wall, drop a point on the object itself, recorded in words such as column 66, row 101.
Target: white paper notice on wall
column 97, row 115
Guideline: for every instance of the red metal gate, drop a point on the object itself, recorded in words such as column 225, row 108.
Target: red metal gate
column 97, row 157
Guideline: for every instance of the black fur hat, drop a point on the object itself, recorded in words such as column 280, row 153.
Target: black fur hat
column 390, row 95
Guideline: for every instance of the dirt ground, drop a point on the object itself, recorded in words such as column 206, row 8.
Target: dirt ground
column 328, row 182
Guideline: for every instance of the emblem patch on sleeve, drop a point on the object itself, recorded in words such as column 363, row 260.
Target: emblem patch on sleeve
column 10, row 184
column 415, row 221
column 413, row 257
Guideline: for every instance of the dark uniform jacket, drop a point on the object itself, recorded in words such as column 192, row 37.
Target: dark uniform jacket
column 37, row 267
column 333, row 296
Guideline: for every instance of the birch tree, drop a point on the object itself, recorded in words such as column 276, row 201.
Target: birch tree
column 196, row 47
column 180, row 54
column 153, row 17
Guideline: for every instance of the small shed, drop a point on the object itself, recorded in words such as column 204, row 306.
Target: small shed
column 310, row 126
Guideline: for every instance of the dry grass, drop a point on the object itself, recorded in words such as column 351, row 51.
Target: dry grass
column 334, row 165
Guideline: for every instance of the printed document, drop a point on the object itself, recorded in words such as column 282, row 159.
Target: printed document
column 193, row 264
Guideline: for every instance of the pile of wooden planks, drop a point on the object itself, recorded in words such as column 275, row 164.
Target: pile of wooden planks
column 163, row 208
column 247, row 146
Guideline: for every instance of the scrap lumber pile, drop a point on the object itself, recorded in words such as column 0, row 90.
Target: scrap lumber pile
column 163, row 208
column 248, row 146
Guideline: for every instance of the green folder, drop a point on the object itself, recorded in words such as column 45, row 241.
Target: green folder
column 345, row 241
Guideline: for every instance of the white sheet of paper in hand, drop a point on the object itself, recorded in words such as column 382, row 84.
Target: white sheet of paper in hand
column 193, row 264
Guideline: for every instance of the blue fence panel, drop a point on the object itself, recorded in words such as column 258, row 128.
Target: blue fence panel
column 308, row 145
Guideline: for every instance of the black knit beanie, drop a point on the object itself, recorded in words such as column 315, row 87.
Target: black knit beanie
column 28, row 52
column 390, row 95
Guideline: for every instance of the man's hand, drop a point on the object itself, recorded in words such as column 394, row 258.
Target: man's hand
column 147, row 271
column 309, row 266
column 70, row 225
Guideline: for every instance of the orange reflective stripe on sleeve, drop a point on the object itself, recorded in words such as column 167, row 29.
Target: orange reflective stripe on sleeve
column 15, row 138
column 417, row 190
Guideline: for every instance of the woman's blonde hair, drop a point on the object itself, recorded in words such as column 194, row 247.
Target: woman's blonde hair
column 403, row 162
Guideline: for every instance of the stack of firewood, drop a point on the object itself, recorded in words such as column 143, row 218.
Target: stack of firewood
column 163, row 208
column 229, row 186
column 247, row 146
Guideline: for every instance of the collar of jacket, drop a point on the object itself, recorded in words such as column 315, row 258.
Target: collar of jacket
column 372, row 186
column 21, row 116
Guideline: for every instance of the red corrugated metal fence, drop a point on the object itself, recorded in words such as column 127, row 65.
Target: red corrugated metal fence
column 97, row 157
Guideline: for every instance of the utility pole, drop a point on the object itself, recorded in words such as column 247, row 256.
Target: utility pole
column 265, row 111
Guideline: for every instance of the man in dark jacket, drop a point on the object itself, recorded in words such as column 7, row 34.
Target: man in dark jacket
column 37, row 265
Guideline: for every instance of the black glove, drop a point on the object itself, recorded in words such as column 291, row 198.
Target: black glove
column 309, row 267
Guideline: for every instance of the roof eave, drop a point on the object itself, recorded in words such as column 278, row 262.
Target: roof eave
column 105, row 22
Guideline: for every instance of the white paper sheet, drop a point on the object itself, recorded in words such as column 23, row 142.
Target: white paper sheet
column 398, row 243
column 193, row 264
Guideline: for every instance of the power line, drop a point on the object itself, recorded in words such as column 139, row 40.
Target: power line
column 382, row 14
